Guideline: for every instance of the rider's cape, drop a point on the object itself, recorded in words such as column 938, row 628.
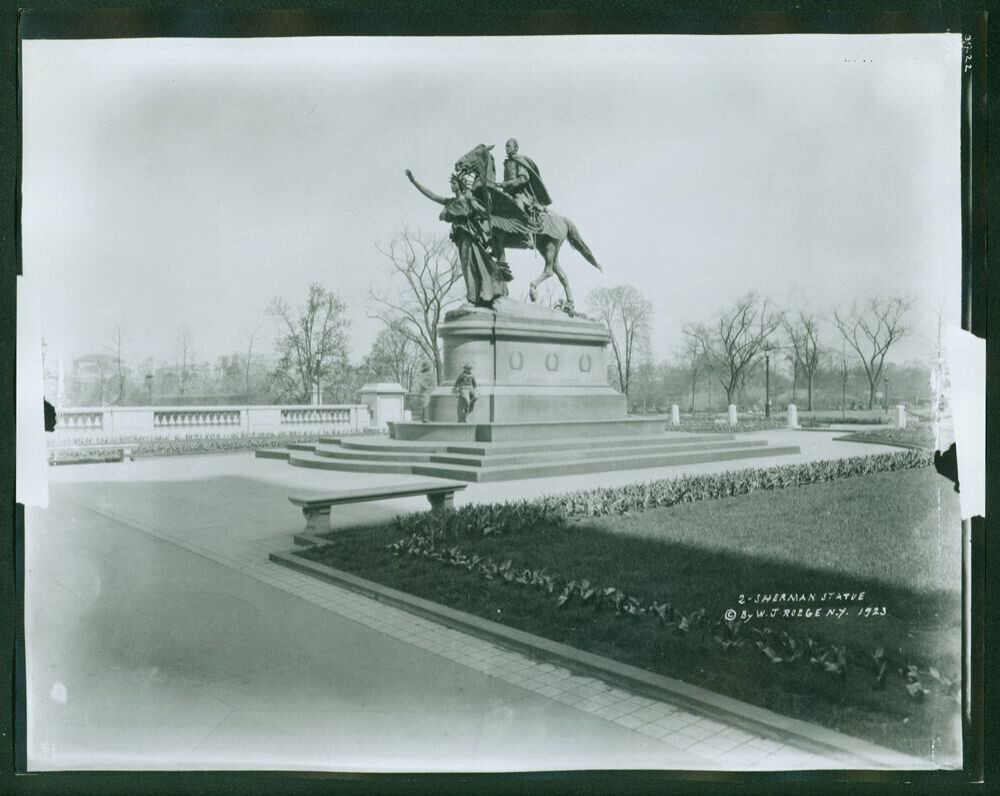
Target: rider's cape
column 534, row 180
column 506, row 215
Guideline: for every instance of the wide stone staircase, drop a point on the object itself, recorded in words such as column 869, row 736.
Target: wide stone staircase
column 526, row 458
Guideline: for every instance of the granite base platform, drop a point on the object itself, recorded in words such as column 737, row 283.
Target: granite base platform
column 486, row 461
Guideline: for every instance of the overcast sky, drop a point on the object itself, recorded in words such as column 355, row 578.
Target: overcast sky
column 188, row 181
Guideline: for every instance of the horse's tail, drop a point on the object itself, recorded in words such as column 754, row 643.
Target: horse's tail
column 573, row 236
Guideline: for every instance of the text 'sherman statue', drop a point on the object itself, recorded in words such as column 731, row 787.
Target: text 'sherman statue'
column 488, row 217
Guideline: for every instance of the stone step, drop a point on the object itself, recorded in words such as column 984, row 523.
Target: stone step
column 271, row 453
column 597, row 449
column 557, row 468
column 490, row 448
column 596, row 452
column 505, row 448
column 387, row 454
column 482, row 474
column 311, row 460
column 384, row 443
column 533, row 431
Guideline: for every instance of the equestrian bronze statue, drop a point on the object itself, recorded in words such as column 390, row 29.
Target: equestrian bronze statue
column 488, row 218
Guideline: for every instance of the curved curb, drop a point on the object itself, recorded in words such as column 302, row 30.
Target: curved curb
column 854, row 752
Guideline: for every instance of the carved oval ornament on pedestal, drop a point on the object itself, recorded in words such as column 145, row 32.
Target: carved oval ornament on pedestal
column 552, row 362
column 585, row 363
column 516, row 360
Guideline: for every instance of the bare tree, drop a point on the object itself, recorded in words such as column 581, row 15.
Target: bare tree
column 102, row 379
column 692, row 355
column 426, row 271
column 628, row 315
column 870, row 328
column 119, row 365
column 312, row 343
column 803, row 339
column 250, row 335
column 843, row 377
column 184, row 356
column 737, row 339
column 394, row 355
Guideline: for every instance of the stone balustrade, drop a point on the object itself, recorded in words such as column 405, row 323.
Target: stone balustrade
column 114, row 423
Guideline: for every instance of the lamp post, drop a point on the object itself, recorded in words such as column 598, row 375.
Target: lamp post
column 887, row 393
column 149, row 387
column 767, row 382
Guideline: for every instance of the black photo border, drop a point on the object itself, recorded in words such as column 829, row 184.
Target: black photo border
column 77, row 19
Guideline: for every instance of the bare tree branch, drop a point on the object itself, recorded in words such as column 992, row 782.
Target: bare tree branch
column 870, row 328
column 425, row 274
column 803, row 337
column 313, row 341
column 628, row 315
column 740, row 335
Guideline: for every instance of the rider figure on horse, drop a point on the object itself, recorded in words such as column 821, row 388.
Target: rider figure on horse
column 522, row 181
column 488, row 217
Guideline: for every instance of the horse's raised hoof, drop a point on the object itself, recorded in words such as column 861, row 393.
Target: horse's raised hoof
column 532, row 294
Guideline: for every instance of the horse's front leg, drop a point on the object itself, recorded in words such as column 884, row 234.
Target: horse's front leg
column 533, row 287
column 549, row 254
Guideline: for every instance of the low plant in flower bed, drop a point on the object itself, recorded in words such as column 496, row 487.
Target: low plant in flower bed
column 721, row 426
column 84, row 456
column 812, row 421
column 667, row 492
column 778, row 647
column 184, row 446
column 652, row 589
column 916, row 435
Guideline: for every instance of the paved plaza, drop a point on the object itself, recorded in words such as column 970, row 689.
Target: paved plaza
column 160, row 636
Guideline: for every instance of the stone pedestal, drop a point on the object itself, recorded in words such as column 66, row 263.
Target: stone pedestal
column 900, row 416
column 793, row 416
column 732, row 414
column 384, row 402
column 675, row 415
column 531, row 364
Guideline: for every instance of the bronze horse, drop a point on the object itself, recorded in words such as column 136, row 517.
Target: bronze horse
column 510, row 223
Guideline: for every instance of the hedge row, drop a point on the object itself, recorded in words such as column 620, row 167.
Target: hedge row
column 688, row 488
column 530, row 516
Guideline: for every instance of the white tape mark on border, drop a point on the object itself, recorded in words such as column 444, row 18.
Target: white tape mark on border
column 32, row 474
column 967, row 370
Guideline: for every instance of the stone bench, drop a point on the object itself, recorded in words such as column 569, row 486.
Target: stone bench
column 124, row 450
column 316, row 509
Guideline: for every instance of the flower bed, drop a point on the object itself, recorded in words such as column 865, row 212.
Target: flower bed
column 914, row 436
column 181, row 446
column 721, row 426
column 652, row 590
column 813, row 421
column 667, row 492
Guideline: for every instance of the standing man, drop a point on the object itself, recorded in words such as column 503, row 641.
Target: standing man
column 465, row 388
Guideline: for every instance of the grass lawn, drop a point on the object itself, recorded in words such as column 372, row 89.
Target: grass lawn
column 895, row 536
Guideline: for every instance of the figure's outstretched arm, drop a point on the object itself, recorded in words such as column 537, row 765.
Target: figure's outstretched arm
column 425, row 191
